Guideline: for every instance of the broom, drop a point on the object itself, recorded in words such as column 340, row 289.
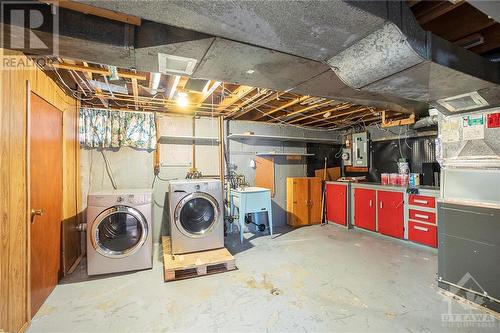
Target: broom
column 323, row 220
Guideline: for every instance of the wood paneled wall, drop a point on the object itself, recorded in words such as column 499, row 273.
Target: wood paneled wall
column 14, row 228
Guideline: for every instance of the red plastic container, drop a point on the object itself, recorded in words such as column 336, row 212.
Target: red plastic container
column 384, row 178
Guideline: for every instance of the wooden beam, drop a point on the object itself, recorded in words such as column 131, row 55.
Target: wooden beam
column 101, row 12
column 135, row 89
column 341, row 106
column 283, row 107
column 101, row 71
column 98, row 90
column 437, row 11
column 358, row 109
column 248, row 100
column 310, row 107
column 258, row 103
column 235, row 96
column 400, row 122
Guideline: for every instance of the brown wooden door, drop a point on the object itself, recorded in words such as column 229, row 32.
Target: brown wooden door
column 315, row 194
column 46, row 196
column 297, row 201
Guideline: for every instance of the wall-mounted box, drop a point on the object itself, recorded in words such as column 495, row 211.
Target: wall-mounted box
column 360, row 149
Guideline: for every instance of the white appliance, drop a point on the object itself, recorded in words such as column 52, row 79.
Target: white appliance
column 196, row 219
column 119, row 231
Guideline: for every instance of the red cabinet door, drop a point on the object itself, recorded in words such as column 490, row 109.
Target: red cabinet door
column 364, row 208
column 336, row 203
column 391, row 213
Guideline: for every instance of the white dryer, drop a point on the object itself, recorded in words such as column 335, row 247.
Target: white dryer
column 196, row 218
column 119, row 231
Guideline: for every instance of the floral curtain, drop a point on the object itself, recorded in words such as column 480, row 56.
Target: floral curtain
column 101, row 128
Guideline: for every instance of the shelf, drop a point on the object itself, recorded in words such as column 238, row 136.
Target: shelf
column 182, row 139
column 279, row 138
column 283, row 154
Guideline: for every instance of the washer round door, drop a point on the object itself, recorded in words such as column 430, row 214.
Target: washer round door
column 196, row 214
column 119, row 231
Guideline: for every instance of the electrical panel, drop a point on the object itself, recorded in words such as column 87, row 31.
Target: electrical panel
column 360, row 149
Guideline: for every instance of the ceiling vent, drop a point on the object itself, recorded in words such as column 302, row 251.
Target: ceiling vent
column 168, row 63
column 463, row 102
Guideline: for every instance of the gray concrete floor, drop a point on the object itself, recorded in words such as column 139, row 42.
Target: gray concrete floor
column 309, row 279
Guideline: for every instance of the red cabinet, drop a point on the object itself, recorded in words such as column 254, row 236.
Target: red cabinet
column 422, row 233
column 391, row 213
column 422, row 201
column 364, row 208
column 422, row 216
column 336, row 203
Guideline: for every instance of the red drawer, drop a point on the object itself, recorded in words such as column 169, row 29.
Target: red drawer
column 422, row 233
column 422, row 200
column 420, row 215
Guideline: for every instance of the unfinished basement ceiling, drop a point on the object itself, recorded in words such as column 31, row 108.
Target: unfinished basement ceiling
column 377, row 49
column 372, row 53
column 96, row 87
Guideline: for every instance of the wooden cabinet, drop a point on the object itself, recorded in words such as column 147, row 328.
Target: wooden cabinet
column 303, row 201
column 365, row 209
column 391, row 213
column 336, row 203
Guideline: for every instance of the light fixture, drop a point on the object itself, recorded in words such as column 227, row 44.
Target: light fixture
column 250, row 71
column 182, row 100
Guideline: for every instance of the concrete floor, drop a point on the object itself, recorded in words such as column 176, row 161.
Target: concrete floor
column 309, row 279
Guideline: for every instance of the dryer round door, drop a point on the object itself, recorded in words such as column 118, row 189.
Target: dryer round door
column 196, row 214
column 119, row 231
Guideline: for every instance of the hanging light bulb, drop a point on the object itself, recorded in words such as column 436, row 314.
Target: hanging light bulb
column 182, row 100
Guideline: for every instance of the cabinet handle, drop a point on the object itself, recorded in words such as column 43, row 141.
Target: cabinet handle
column 425, row 202
column 381, row 205
column 371, row 203
column 422, row 216
column 420, row 228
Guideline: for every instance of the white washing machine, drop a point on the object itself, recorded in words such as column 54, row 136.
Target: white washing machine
column 196, row 218
column 119, row 231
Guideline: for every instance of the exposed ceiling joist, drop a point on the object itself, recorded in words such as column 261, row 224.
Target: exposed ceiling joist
column 235, row 96
column 355, row 110
column 270, row 96
column 135, row 90
column 284, row 106
column 97, row 89
column 91, row 10
column 342, row 106
column 101, row 71
column 302, row 110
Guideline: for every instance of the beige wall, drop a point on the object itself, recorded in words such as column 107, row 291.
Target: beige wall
column 14, row 229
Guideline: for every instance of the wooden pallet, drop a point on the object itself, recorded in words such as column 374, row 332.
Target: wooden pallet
column 185, row 266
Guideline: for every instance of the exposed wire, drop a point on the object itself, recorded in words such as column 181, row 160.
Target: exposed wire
column 108, row 170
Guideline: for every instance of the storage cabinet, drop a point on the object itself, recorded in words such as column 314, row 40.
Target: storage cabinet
column 364, row 208
column 336, row 203
column 390, row 210
column 303, row 201
column 422, row 233
column 422, row 201
column 422, row 220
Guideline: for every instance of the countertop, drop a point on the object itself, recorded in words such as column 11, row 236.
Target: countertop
column 378, row 186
